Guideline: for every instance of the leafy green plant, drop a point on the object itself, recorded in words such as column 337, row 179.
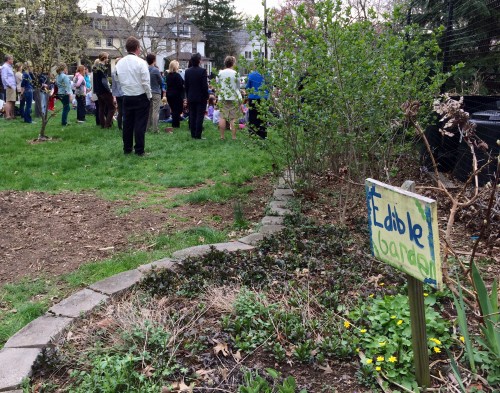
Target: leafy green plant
column 490, row 312
column 254, row 383
column 238, row 216
column 382, row 330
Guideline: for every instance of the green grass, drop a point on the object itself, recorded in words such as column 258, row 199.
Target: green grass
column 86, row 158
column 24, row 301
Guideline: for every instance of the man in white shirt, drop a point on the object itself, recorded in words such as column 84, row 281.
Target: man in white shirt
column 133, row 75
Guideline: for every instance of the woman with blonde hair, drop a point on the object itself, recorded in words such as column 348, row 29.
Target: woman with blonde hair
column 103, row 91
column 80, row 92
column 19, row 79
column 175, row 92
column 63, row 91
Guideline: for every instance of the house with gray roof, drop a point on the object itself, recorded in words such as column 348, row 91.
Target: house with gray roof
column 173, row 38
column 106, row 33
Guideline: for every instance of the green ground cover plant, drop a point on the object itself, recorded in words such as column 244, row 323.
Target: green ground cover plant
column 299, row 299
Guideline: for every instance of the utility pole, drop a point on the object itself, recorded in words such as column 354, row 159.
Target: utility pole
column 265, row 29
column 177, row 43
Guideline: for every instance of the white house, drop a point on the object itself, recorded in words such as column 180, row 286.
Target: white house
column 172, row 38
column 249, row 47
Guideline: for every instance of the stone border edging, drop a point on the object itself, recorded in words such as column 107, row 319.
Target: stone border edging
column 21, row 351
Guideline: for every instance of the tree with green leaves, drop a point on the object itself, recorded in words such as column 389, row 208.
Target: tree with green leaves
column 44, row 33
column 338, row 84
column 217, row 19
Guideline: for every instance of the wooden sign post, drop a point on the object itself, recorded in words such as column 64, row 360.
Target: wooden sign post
column 404, row 234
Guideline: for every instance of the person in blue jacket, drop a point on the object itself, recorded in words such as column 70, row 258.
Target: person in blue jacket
column 257, row 91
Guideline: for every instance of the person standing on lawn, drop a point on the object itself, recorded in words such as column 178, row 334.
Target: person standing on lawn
column 9, row 84
column 175, row 92
column 257, row 91
column 63, row 91
column 103, row 91
column 229, row 96
column 27, row 92
column 133, row 75
column 196, row 84
column 80, row 92
column 156, row 82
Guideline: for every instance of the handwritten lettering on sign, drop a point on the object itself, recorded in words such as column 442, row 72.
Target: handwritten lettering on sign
column 404, row 231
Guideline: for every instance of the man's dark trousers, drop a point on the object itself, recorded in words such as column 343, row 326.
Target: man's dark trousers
column 196, row 117
column 135, row 122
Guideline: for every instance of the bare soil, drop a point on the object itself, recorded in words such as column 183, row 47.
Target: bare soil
column 51, row 234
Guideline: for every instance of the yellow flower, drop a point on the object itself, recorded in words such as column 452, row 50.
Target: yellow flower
column 399, row 322
column 426, row 294
column 347, row 324
column 380, row 358
column 382, row 343
column 381, row 284
column 378, row 368
column 362, row 331
column 357, row 349
column 393, row 317
column 435, row 340
column 392, row 359
column 369, row 361
column 371, row 295
column 462, row 338
column 437, row 350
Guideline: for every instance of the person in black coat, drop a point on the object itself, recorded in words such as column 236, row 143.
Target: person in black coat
column 196, row 83
column 175, row 92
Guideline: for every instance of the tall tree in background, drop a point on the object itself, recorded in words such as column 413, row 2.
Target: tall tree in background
column 217, row 19
column 472, row 36
column 44, row 33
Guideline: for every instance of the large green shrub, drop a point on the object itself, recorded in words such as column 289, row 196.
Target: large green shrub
column 338, row 84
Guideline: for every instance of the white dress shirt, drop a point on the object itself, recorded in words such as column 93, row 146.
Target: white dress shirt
column 133, row 75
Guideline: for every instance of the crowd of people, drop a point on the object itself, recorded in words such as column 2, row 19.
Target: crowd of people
column 137, row 95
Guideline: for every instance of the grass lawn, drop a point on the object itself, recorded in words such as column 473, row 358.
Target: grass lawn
column 86, row 158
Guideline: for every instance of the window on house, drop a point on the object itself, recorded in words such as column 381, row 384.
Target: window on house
column 109, row 42
column 97, row 41
column 194, row 48
column 248, row 55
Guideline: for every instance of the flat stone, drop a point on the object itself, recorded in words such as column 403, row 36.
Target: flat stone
column 78, row 303
column 252, row 239
column 166, row 263
column 279, row 211
column 14, row 391
column 283, row 194
column 272, row 220
column 277, row 204
column 287, row 179
column 117, row 283
column 40, row 332
column 270, row 229
column 15, row 365
column 197, row 251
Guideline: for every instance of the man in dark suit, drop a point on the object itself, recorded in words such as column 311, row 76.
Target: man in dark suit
column 196, row 84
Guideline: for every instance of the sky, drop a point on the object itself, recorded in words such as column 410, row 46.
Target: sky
column 254, row 7
column 249, row 7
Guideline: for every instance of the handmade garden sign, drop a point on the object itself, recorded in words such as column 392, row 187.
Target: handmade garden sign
column 404, row 231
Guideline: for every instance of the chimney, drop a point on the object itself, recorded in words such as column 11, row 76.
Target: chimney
column 99, row 9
